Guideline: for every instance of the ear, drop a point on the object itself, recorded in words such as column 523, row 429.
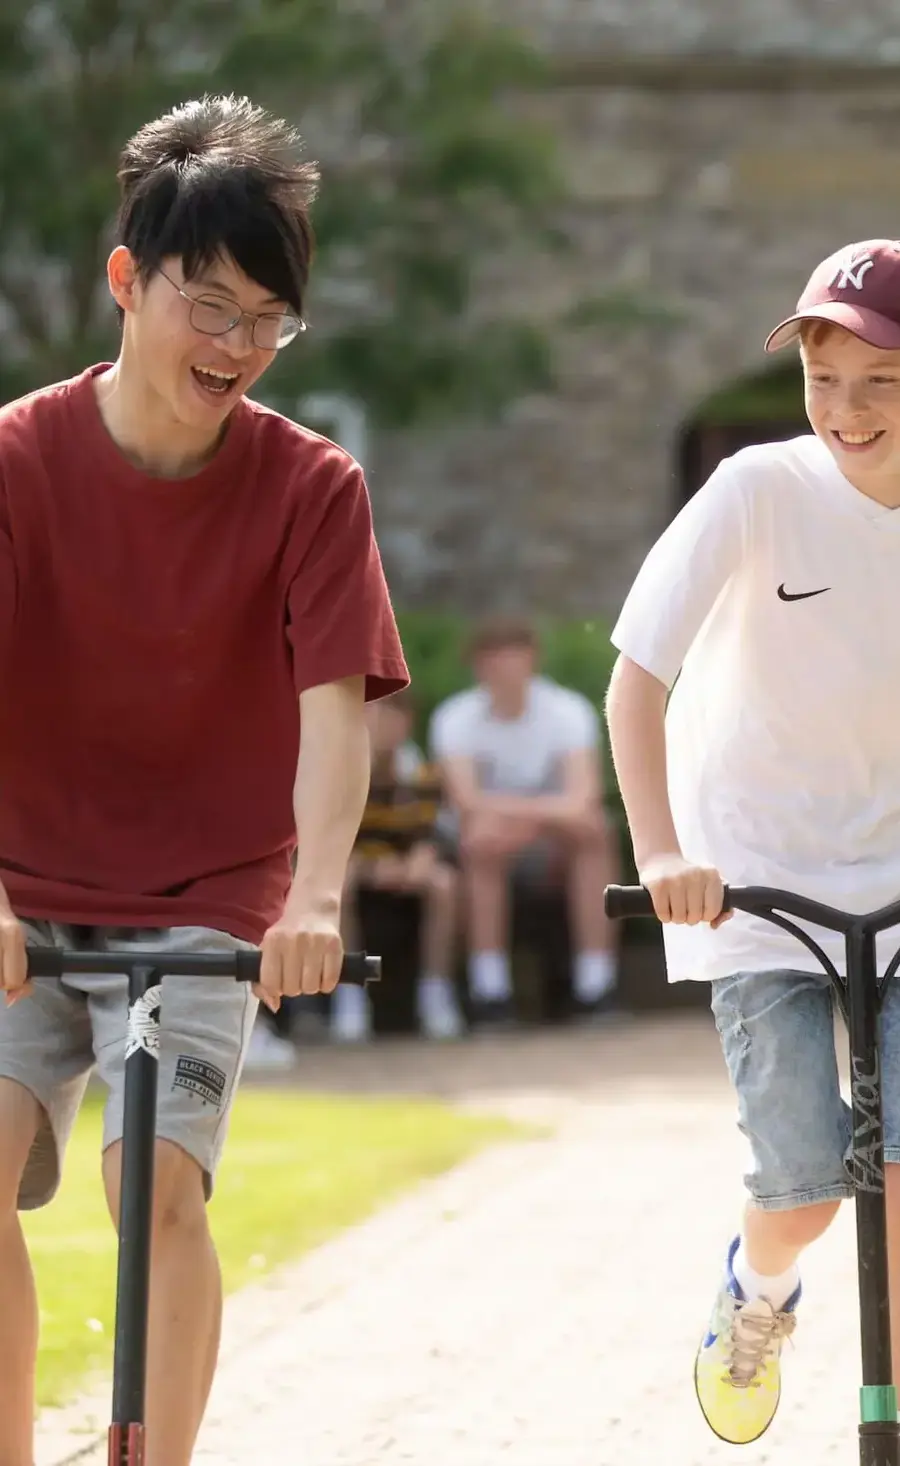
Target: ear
column 121, row 273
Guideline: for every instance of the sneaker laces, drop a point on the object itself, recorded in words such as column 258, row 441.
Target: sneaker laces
column 756, row 1335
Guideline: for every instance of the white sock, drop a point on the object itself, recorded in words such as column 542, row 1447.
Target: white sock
column 490, row 978
column 436, row 991
column 348, row 997
column 438, row 1011
column 755, row 1285
column 595, row 975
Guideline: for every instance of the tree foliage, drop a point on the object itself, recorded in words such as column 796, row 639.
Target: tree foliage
column 428, row 173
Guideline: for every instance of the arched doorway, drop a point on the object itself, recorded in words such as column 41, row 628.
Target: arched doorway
column 761, row 408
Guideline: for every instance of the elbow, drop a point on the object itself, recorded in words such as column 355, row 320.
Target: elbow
column 614, row 692
column 461, row 801
column 458, row 793
column 630, row 688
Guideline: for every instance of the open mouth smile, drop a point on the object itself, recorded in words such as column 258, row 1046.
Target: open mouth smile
column 213, row 381
column 857, row 442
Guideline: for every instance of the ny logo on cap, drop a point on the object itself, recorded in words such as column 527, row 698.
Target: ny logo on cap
column 852, row 270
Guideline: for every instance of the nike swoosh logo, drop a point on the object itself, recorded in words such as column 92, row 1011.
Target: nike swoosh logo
column 802, row 595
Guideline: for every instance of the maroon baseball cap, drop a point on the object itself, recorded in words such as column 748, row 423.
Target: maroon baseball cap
column 858, row 288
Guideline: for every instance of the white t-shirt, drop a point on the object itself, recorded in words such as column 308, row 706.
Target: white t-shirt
column 776, row 592
column 516, row 755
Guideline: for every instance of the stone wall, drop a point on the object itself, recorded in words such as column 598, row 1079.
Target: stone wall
column 865, row 30
column 708, row 185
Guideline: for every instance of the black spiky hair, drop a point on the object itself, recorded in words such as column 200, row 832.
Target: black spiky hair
column 218, row 178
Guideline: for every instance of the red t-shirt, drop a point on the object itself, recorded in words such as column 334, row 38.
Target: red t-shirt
column 154, row 638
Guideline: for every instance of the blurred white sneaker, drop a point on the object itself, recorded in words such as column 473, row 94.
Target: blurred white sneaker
column 267, row 1050
column 439, row 1012
column 350, row 1021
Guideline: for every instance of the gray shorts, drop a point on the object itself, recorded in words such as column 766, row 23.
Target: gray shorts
column 778, row 1037
column 51, row 1041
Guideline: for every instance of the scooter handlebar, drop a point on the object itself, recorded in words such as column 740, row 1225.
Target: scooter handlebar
column 358, row 968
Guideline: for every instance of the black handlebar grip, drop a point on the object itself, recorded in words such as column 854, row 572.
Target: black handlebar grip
column 624, row 901
column 357, row 968
column 45, row 962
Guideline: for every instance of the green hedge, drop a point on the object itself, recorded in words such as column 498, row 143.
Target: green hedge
column 577, row 654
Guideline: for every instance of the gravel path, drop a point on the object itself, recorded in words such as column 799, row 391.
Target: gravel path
column 542, row 1303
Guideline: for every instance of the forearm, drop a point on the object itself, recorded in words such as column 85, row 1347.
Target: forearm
column 532, row 807
column 636, row 711
column 330, row 793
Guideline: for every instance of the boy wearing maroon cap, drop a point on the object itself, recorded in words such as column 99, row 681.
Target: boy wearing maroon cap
column 772, row 598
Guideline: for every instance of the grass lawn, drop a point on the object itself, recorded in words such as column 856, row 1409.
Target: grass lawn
column 297, row 1168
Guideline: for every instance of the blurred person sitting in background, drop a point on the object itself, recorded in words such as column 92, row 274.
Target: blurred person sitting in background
column 397, row 853
column 520, row 756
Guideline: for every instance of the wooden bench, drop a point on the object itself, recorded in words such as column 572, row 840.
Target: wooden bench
column 541, row 959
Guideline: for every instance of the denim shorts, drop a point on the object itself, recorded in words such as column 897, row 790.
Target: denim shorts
column 778, row 1038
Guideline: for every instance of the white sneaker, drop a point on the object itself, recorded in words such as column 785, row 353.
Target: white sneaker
column 351, row 1015
column 268, row 1050
column 439, row 1012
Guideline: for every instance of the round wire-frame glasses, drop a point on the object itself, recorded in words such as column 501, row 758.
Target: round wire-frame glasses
column 216, row 315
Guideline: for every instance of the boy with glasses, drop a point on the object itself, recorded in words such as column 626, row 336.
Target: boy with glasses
column 188, row 582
